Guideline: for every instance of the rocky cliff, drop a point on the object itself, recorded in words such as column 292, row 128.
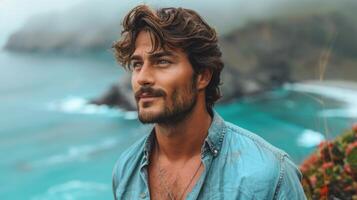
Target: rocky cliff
column 265, row 55
column 259, row 56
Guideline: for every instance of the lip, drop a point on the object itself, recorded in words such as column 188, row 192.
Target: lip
column 147, row 98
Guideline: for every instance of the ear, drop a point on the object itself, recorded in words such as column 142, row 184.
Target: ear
column 203, row 79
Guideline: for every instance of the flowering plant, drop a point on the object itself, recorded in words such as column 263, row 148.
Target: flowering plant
column 331, row 171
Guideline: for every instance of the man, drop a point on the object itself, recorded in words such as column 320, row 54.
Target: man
column 191, row 152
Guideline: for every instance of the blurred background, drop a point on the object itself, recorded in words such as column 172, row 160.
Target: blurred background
column 66, row 107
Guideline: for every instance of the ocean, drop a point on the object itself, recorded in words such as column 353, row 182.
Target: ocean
column 56, row 146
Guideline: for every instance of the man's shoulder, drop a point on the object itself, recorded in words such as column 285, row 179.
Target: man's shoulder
column 265, row 165
column 265, row 155
column 260, row 158
column 245, row 139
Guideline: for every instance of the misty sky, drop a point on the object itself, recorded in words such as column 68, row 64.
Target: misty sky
column 14, row 13
column 222, row 13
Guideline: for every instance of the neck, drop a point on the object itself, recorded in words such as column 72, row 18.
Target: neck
column 184, row 139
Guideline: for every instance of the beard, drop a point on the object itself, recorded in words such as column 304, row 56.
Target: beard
column 183, row 102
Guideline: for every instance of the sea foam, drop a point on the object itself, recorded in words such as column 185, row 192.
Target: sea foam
column 74, row 189
column 79, row 153
column 80, row 105
column 347, row 96
column 310, row 138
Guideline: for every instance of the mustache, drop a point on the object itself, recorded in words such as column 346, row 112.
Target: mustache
column 150, row 91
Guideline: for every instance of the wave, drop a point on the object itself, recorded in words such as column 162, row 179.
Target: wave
column 79, row 105
column 77, row 153
column 346, row 95
column 310, row 138
column 74, row 189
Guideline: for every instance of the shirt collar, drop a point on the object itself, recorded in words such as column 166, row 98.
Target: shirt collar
column 216, row 132
column 213, row 141
column 149, row 142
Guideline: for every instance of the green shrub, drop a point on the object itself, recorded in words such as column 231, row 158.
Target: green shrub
column 331, row 171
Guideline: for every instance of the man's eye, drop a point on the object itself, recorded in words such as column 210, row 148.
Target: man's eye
column 163, row 62
column 135, row 65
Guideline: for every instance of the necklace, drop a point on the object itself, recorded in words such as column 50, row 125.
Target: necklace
column 161, row 176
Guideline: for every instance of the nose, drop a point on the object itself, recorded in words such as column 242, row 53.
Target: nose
column 144, row 76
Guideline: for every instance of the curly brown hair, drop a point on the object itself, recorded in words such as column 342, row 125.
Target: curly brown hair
column 175, row 28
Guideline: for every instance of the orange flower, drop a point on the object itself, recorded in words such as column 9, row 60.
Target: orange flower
column 313, row 158
column 313, row 180
column 347, row 168
column 354, row 127
column 322, row 144
column 327, row 165
column 324, row 190
column 350, row 147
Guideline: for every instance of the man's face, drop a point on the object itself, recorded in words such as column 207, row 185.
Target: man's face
column 163, row 82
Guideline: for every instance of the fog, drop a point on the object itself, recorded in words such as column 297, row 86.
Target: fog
column 15, row 13
column 90, row 24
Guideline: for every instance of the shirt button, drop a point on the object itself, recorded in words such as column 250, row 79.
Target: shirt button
column 143, row 195
column 215, row 152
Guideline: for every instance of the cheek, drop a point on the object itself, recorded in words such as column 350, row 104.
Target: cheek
column 178, row 87
column 133, row 83
column 179, row 94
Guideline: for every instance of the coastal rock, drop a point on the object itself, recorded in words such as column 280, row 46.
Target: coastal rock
column 118, row 95
column 320, row 46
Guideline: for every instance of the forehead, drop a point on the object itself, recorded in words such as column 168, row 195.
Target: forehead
column 144, row 40
column 144, row 45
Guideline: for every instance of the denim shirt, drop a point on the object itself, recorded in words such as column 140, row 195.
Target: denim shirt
column 237, row 165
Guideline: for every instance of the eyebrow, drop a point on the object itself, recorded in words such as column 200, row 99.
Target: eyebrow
column 155, row 55
column 162, row 54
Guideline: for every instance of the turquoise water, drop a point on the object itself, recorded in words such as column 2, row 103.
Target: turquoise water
column 55, row 146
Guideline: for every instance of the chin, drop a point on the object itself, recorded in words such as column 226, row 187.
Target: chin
column 148, row 115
